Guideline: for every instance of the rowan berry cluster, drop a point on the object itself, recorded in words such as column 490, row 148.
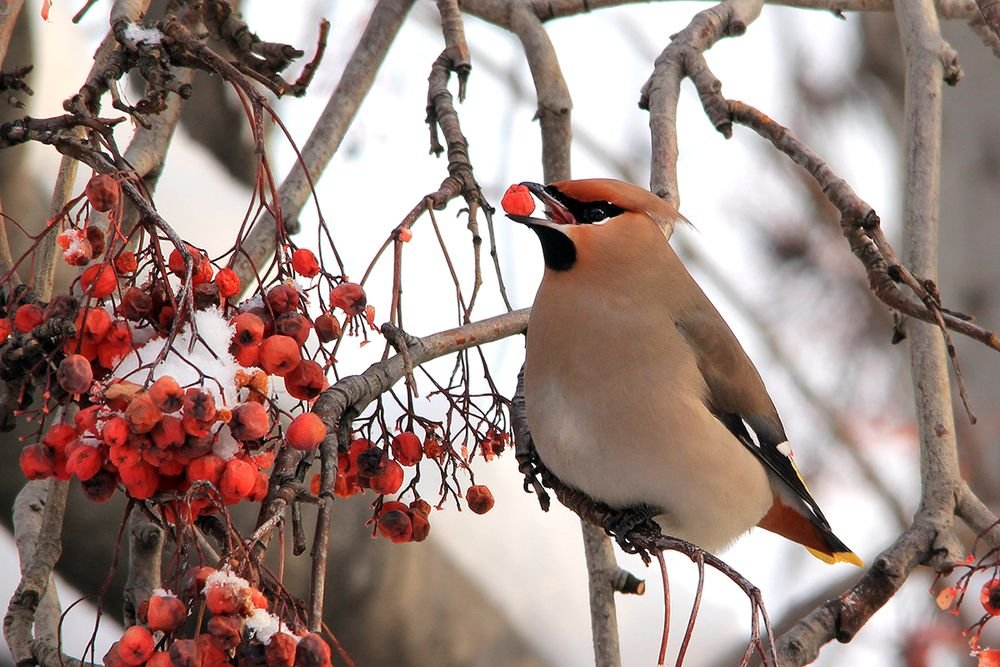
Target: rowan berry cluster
column 950, row 599
column 241, row 630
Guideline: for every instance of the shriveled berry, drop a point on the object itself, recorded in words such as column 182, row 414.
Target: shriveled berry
column 283, row 298
column 304, row 263
column 480, row 498
column 294, row 325
column 327, row 328
column 206, row 295
column 280, row 650
column 312, row 651
column 96, row 238
column 349, row 297
column 395, row 525
column 184, row 653
column 371, row 462
column 175, row 261
column 135, row 304
column 103, row 192
column 226, row 631
column 194, row 579
column 307, row 381
column 101, row 486
column 420, row 506
column 75, row 374
column 199, row 404
column 222, row 599
column 169, row 433
column 421, row 526
column 407, row 449
column 306, row 432
column 228, row 283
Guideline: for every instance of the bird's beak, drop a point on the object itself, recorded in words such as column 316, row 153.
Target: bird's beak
column 555, row 213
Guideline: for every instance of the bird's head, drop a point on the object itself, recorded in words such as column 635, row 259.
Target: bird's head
column 599, row 215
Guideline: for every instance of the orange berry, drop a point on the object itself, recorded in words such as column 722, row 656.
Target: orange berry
column 75, row 374
column 257, row 599
column 279, row 355
column 142, row 414
column 93, row 324
column 222, row 599
column 304, row 263
column 27, row 317
column 102, row 192
column 406, row 449
column 307, row 381
column 405, row 234
column 98, row 280
column 228, row 283
column 349, row 297
column 136, row 645
column 141, row 480
column 207, row 468
column 249, row 329
column 247, row 356
column 166, row 394
column 261, row 483
column 480, row 498
column 249, row 421
column 518, row 200
column 37, row 461
column 306, row 432
column 165, row 613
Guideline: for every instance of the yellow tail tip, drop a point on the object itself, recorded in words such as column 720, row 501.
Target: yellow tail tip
column 838, row 557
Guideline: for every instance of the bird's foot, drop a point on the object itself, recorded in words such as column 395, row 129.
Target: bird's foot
column 622, row 523
column 535, row 476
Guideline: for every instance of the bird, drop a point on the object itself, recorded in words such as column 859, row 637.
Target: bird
column 637, row 392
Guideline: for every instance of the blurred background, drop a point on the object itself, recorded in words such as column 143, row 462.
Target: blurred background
column 509, row 588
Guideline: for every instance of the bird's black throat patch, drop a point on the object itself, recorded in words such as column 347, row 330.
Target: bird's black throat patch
column 557, row 248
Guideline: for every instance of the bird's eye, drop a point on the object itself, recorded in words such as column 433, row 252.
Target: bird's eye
column 597, row 212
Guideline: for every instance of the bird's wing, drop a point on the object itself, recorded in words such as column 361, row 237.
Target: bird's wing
column 738, row 399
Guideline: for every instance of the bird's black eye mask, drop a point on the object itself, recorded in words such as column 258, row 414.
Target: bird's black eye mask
column 585, row 213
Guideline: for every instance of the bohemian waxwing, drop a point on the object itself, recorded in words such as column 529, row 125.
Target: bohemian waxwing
column 638, row 393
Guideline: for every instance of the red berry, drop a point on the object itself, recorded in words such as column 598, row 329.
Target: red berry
column 226, row 631
column 407, row 449
column 37, row 461
column 84, row 462
column 102, row 192
column 199, row 405
column 169, row 432
column 115, row 432
column 228, row 283
column 389, row 480
column 59, row 435
column 93, row 324
column 136, row 645
column 99, row 280
column 304, row 263
column 249, row 329
column 261, row 483
column 95, row 236
column 136, row 304
column 77, row 250
column 141, row 480
column 280, row 650
column 294, row 325
column 237, row 481
column 75, row 374
column 349, row 297
column 432, row 447
column 5, row 329
column 279, row 355
column 479, row 498
column 27, row 317
column 222, row 599
column 166, row 613
column 421, row 526
column 175, row 262
column 193, row 583
column 249, row 421
column 306, row 432
column 160, row 659
column 518, row 200
column 207, row 468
